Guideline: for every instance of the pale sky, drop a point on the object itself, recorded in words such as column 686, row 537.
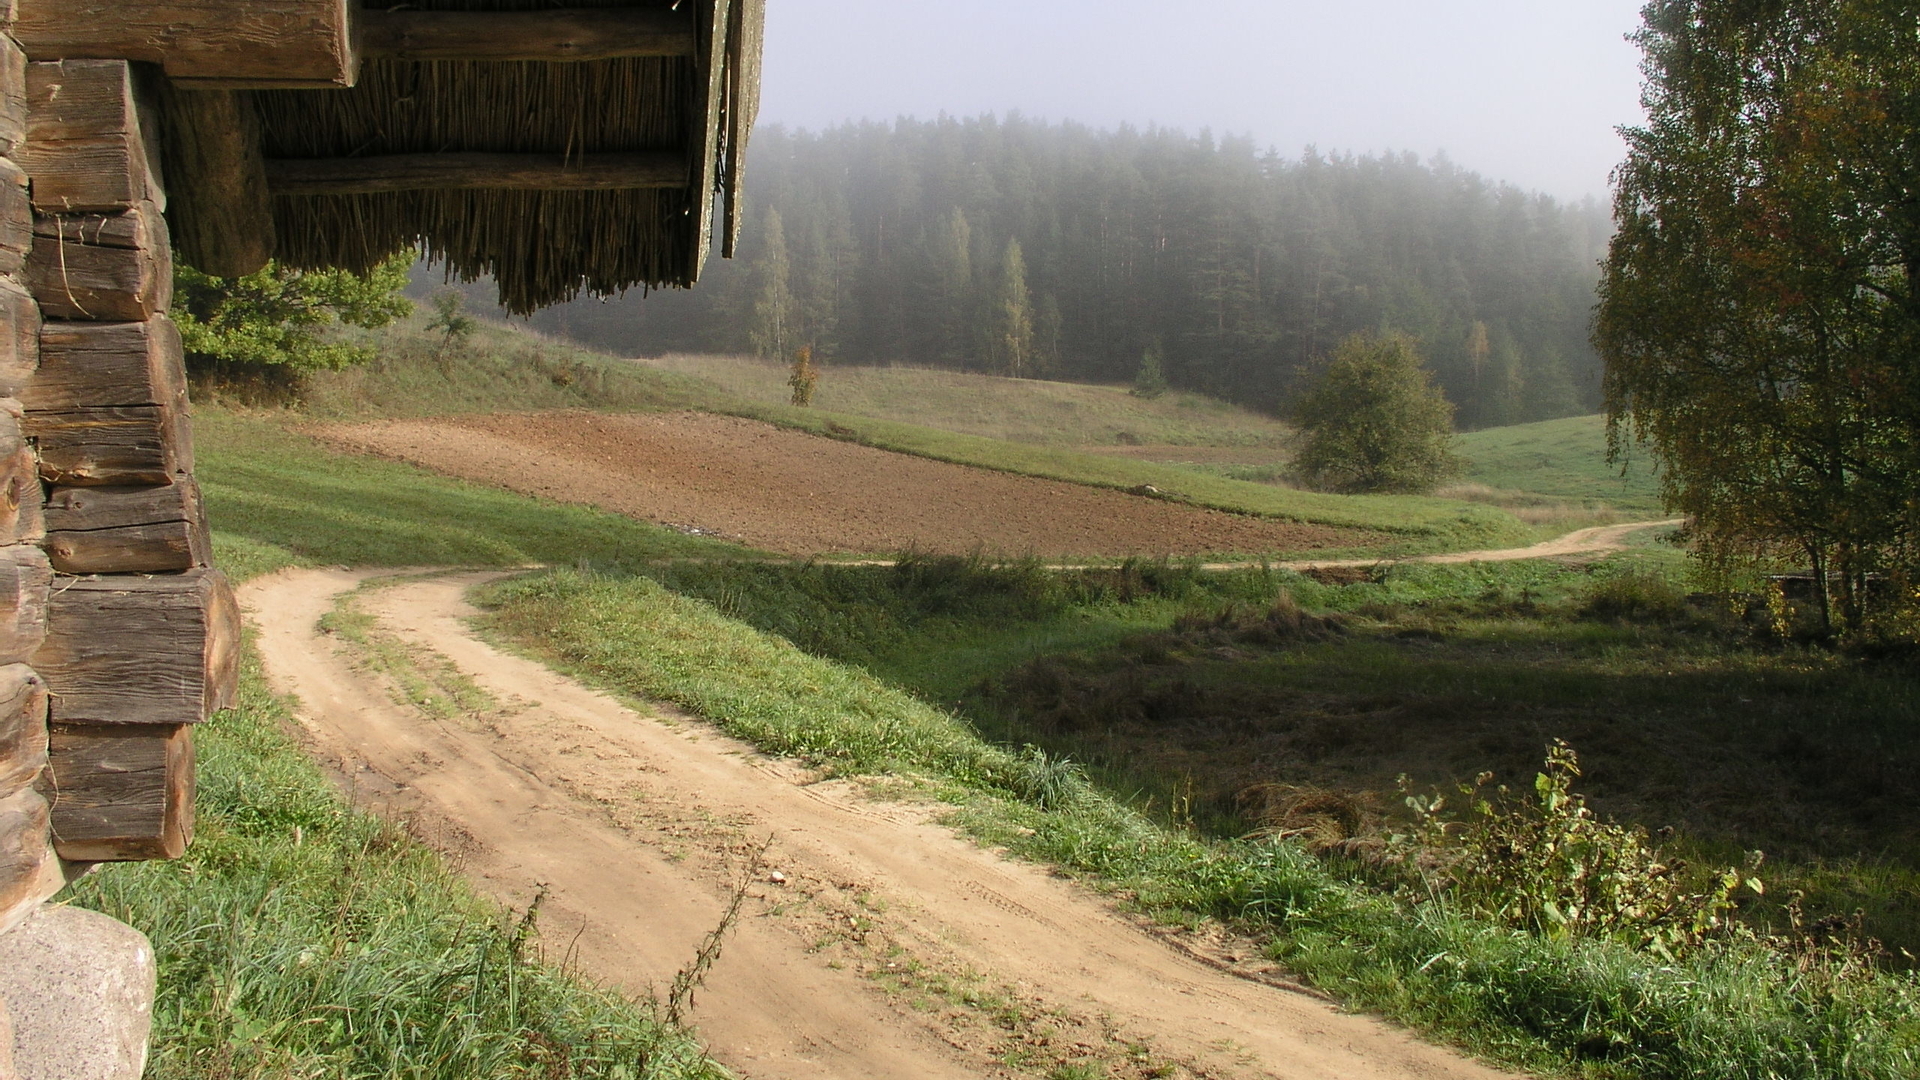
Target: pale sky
column 1526, row 91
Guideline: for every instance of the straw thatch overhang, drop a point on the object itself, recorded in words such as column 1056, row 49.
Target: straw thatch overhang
column 552, row 145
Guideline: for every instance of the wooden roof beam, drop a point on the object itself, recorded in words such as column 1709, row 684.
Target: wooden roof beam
column 545, row 35
column 454, row 171
column 306, row 44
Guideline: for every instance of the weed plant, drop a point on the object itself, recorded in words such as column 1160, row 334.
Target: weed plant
column 1562, row 1003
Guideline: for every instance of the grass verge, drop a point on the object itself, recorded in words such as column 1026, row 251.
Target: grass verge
column 1564, row 1006
column 300, row 938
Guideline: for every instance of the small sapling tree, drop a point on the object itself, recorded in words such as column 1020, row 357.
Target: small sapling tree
column 1151, row 380
column 1373, row 421
column 803, row 376
column 450, row 319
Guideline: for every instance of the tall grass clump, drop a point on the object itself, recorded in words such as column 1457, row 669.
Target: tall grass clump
column 1717, row 1005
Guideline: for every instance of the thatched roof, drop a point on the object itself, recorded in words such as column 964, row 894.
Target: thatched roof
column 542, row 247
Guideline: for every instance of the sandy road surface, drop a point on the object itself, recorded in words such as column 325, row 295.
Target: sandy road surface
column 636, row 822
column 799, row 494
column 1598, row 540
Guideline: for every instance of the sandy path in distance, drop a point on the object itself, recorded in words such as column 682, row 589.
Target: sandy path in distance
column 636, row 821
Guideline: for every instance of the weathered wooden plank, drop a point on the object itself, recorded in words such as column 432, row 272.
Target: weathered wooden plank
column 127, row 530
column 16, row 218
column 549, row 36
column 23, row 727
column 90, row 364
column 29, row 870
column 13, row 95
column 108, row 267
column 21, row 498
column 25, row 588
column 222, row 217
column 108, row 447
column 19, row 337
column 125, row 649
column 285, row 43
column 121, row 792
column 87, row 148
column 703, row 122
column 438, row 172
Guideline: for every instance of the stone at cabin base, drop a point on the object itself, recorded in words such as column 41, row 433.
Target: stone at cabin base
column 79, row 989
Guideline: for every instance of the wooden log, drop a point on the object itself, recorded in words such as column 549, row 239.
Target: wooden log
column 222, row 217
column 19, row 338
column 86, row 365
column 440, row 172
column 703, row 126
column 16, row 218
column 112, row 447
column 13, row 95
column 29, row 870
column 126, row 649
column 23, row 727
column 127, row 530
column 121, row 792
column 21, row 498
column 267, row 43
column 25, row 588
column 108, row 267
column 87, row 146
column 547, row 35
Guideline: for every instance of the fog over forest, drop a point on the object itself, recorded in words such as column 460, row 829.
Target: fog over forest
column 909, row 243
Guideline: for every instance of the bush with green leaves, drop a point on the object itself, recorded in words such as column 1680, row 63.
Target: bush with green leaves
column 1545, row 864
column 273, row 325
column 1373, row 421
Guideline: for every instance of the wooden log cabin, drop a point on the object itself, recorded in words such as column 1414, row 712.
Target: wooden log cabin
column 554, row 146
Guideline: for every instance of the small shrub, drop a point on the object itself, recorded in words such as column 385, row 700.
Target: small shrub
column 1634, row 596
column 803, row 377
column 1547, row 865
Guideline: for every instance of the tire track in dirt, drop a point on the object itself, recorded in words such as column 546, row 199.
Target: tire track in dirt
column 635, row 823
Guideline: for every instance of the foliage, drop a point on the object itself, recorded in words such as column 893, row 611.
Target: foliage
column 1547, row 865
column 802, row 377
column 773, row 312
column 1247, row 265
column 1758, row 314
column 450, row 319
column 1151, row 380
column 1374, row 422
column 1010, row 322
column 273, row 324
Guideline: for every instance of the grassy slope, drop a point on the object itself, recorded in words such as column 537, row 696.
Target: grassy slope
column 1018, row 410
column 504, row 369
column 1566, row 1007
column 302, row 939
column 1562, row 458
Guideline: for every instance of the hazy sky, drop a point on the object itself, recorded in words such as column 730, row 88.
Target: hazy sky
column 1527, row 91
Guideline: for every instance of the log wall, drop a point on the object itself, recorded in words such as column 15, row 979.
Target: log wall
column 116, row 635
column 30, row 872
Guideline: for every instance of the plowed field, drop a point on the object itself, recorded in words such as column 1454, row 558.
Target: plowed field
column 798, row 494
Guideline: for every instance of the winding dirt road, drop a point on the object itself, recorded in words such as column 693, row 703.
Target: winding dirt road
column 873, row 941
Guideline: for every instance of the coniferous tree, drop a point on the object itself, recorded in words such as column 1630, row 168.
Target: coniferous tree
column 774, row 315
column 1010, row 316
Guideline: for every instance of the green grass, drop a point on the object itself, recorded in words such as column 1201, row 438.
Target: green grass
column 1563, row 459
column 1571, row 1007
column 1015, row 410
column 300, row 938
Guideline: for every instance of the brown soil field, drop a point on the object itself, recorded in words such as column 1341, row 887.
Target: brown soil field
column 799, row 494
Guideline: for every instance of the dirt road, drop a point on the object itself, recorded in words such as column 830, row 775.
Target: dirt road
column 798, row 494
column 873, row 942
column 1598, row 540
